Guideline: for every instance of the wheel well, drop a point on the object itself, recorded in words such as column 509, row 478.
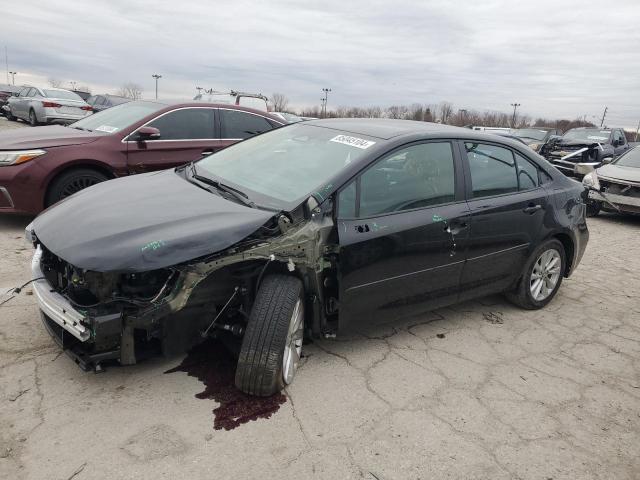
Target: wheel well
column 569, row 250
column 76, row 166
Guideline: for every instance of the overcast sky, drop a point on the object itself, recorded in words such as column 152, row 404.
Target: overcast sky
column 556, row 58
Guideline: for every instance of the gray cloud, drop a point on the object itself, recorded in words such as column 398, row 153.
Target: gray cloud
column 555, row 58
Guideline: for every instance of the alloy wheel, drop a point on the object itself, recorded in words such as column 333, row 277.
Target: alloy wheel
column 293, row 345
column 545, row 274
column 77, row 184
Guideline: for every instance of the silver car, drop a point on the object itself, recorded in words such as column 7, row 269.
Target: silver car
column 46, row 105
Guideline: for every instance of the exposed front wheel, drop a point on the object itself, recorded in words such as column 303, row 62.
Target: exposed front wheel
column 71, row 182
column 272, row 344
column 541, row 277
column 10, row 116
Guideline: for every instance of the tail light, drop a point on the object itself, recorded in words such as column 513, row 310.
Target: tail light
column 86, row 107
column 51, row 105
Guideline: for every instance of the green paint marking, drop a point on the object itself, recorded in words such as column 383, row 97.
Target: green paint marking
column 155, row 245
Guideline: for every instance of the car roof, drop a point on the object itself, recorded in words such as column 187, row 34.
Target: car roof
column 592, row 128
column 385, row 128
column 199, row 103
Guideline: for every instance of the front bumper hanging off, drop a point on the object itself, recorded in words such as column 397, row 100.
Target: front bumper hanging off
column 70, row 328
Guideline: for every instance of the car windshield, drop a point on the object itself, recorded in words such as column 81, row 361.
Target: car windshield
column 589, row 134
column 62, row 94
column 287, row 164
column 115, row 119
column 630, row 159
column 530, row 133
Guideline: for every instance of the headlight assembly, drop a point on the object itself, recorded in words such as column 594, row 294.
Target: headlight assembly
column 18, row 156
column 591, row 180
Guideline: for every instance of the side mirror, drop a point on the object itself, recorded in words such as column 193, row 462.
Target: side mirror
column 15, row 94
column 606, row 160
column 148, row 133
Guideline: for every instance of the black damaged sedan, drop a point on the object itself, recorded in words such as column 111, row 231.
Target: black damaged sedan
column 298, row 231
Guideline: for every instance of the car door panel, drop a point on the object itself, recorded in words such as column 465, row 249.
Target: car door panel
column 401, row 264
column 502, row 231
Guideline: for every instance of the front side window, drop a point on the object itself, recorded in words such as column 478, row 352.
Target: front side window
column 618, row 136
column 185, row 124
column 493, row 170
column 239, row 124
column 418, row 176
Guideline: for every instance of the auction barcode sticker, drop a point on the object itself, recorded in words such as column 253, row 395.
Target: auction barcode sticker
column 353, row 141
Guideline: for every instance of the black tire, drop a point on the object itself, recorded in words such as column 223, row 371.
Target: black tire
column 33, row 120
column 72, row 182
column 260, row 364
column 593, row 208
column 10, row 116
column 521, row 295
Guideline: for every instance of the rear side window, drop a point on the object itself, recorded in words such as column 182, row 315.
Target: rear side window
column 493, row 170
column 418, row 176
column 238, row 124
column 527, row 173
column 185, row 124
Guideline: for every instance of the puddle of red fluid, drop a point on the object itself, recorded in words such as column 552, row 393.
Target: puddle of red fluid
column 212, row 364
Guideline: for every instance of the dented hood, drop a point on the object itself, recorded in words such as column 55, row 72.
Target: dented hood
column 142, row 223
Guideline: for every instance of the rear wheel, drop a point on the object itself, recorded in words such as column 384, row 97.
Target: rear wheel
column 33, row 120
column 272, row 344
column 71, row 182
column 541, row 278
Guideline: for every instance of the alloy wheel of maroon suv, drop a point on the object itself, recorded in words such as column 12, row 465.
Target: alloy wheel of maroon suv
column 41, row 166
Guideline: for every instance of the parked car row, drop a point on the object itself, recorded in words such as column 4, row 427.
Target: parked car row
column 46, row 105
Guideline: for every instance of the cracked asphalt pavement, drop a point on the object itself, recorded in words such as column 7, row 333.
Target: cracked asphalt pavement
column 480, row 390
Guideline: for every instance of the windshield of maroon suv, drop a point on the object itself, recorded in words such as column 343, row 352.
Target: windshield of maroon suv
column 286, row 164
column 117, row 118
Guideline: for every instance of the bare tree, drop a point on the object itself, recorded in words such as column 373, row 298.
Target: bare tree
column 445, row 109
column 279, row 102
column 54, row 82
column 131, row 90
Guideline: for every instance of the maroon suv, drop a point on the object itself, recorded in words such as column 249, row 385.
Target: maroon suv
column 40, row 166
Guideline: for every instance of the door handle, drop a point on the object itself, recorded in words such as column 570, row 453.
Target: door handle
column 456, row 228
column 531, row 209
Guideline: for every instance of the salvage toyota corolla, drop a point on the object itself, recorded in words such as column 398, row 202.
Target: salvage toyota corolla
column 298, row 231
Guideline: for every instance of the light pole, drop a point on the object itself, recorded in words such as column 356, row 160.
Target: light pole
column 324, row 102
column 513, row 120
column 157, row 77
column 13, row 77
column 462, row 113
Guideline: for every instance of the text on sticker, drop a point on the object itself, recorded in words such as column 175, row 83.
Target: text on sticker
column 352, row 141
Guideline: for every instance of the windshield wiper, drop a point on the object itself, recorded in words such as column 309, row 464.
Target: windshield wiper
column 80, row 128
column 237, row 194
